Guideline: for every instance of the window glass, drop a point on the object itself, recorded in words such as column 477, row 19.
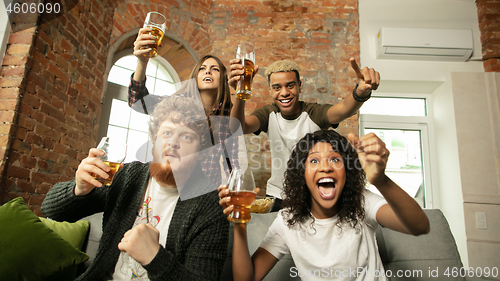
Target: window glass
column 394, row 106
column 118, row 132
column 127, row 62
column 138, row 121
column 120, row 113
column 163, row 88
column 163, row 74
column 405, row 166
column 124, row 67
column 152, row 68
column 139, row 146
column 150, row 84
column 120, row 75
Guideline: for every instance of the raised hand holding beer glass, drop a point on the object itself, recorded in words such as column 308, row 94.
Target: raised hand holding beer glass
column 155, row 24
column 115, row 152
column 246, row 54
column 242, row 192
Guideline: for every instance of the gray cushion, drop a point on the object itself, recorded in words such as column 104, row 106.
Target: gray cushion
column 415, row 256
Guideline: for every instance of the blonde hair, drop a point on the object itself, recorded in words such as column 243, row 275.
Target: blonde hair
column 282, row 66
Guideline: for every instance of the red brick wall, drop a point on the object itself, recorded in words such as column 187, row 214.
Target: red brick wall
column 488, row 13
column 63, row 68
column 61, row 101
column 188, row 20
column 320, row 36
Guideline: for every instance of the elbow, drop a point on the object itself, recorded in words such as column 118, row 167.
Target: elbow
column 423, row 228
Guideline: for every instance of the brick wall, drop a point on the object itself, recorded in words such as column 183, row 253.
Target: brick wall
column 488, row 13
column 62, row 62
column 58, row 79
column 320, row 36
column 13, row 80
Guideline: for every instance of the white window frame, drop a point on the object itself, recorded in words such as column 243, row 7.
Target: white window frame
column 423, row 124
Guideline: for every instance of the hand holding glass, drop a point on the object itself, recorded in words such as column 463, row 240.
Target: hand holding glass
column 246, row 54
column 116, row 151
column 241, row 187
column 157, row 22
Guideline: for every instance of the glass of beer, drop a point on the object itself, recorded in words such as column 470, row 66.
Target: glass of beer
column 246, row 54
column 157, row 22
column 241, row 187
column 116, row 151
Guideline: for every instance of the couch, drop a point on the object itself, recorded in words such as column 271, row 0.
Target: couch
column 405, row 257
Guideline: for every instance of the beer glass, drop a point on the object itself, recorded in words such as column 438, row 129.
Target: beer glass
column 157, row 22
column 241, row 187
column 246, row 54
column 116, row 151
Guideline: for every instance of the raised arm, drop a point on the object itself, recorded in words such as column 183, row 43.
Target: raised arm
column 402, row 213
column 244, row 266
column 143, row 39
column 137, row 88
column 249, row 124
column 368, row 80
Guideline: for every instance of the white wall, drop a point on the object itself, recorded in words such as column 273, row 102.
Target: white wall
column 4, row 29
column 436, row 75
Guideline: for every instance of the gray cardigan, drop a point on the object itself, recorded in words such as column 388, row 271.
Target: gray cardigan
column 197, row 237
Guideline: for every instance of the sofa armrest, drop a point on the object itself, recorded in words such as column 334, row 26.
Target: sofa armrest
column 427, row 255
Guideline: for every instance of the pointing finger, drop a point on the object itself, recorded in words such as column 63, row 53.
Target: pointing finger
column 355, row 66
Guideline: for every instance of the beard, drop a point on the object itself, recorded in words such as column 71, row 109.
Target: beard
column 162, row 173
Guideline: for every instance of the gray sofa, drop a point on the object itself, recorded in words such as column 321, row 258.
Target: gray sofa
column 412, row 258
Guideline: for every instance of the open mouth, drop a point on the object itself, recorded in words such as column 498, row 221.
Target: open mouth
column 326, row 187
column 208, row 79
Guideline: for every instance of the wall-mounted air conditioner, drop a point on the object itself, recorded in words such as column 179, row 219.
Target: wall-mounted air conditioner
column 424, row 44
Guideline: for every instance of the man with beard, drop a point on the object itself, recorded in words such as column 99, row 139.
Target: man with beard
column 149, row 233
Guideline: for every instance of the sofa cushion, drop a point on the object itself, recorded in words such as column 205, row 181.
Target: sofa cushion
column 29, row 250
column 420, row 256
column 73, row 233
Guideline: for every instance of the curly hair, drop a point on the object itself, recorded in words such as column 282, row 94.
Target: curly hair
column 180, row 110
column 282, row 66
column 223, row 93
column 297, row 199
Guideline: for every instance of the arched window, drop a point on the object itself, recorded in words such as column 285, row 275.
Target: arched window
column 159, row 79
column 117, row 118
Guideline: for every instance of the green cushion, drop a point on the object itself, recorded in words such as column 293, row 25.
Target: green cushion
column 29, row 250
column 73, row 233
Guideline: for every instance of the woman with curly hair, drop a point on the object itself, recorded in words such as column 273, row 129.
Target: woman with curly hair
column 329, row 219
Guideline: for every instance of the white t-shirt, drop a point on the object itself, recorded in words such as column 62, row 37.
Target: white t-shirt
column 283, row 133
column 157, row 209
column 322, row 252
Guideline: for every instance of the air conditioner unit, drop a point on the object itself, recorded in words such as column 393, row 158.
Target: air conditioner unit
column 424, row 44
